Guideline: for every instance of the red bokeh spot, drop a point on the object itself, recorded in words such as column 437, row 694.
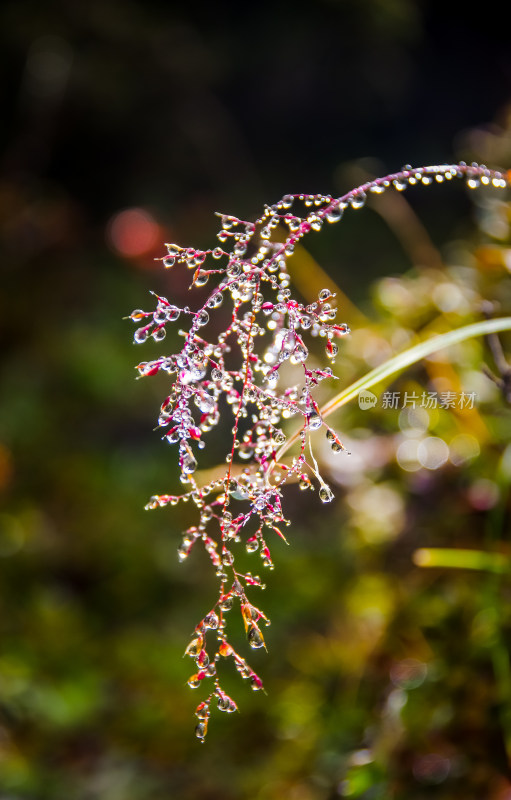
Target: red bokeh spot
column 133, row 232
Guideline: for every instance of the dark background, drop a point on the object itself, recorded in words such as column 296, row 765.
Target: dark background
column 178, row 111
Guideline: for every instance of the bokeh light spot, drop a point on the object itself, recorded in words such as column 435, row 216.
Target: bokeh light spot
column 432, row 452
column 132, row 232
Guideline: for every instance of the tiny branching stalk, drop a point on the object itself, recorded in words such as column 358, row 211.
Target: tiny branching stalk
column 257, row 368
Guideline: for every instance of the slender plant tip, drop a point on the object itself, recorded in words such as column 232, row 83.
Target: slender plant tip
column 257, row 370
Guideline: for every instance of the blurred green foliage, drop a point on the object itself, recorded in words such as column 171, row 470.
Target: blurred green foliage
column 388, row 671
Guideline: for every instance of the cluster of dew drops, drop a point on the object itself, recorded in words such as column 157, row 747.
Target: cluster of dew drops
column 252, row 363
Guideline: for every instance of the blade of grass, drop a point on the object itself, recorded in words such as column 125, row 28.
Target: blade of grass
column 458, row 558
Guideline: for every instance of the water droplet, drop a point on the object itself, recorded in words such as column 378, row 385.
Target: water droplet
column 194, row 647
column 325, row 494
column 159, row 334
column 255, row 638
column 202, row 278
column 211, row 621
column 332, row 349
column 358, row 200
column 252, row 544
column 335, row 212
column 202, row 711
column 205, row 402
column 188, row 463
column 400, row 185
column 201, row 730
column 202, row 318
column 216, row 300
column 300, row 354
column 152, row 504
column 141, row 335
column 278, row 436
column 315, row 422
column 172, row 313
column 256, row 683
column 226, row 603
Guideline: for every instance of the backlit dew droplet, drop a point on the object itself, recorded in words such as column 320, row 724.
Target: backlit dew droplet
column 335, row 212
column 211, row 621
column 256, row 683
column 159, row 334
column 226, row 603
column 141, row 335
column 255, row 638
column 193, row 682
column 400, row 185
column 172, row 313
column 325, row 494
column 202, row 318
column 332, row 349
column 201, row 730
column 300, row 353
column 205, row 402
column 315, row 422
column 226, row 704
column 188, row 464
column 201, row 279
column 194, row 647
column 358, row 200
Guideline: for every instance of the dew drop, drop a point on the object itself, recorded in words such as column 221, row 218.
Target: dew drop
column 159, row 334
column 216, row 300
column 202, row 318
column 201, row 730
column 141, row 335
column 202, row 278
column 315, row 422
column 255, row 638
column 211, row 621
column 226, row 603
column 332, row 349
column 400, row 185
column 358, row 200
column 172, row 313
column 188, row 464
column 300, row 354
column 325, row 494
column 205, row 402
column 194, row 648
column 335, row 212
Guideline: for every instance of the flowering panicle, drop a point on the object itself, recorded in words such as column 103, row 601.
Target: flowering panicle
column 258, row 366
